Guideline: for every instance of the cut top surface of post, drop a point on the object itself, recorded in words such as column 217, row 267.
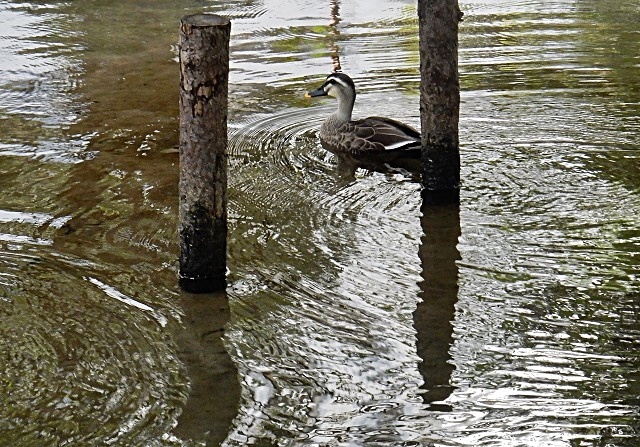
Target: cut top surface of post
column 205, row 20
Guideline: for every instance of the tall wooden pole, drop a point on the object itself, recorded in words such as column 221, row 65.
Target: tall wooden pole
column 204, row 75
column 439, row 99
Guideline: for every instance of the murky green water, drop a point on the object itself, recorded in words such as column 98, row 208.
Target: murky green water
column 352, row 316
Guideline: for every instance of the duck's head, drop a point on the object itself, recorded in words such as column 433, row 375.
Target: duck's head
column 338, row 85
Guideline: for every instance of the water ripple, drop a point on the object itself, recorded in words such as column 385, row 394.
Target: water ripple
column 535, row 344
column 56, row 346
column 333, row 237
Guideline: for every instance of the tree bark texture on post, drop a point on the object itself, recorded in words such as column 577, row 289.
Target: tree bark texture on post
column 439, row 99
column 204, row 75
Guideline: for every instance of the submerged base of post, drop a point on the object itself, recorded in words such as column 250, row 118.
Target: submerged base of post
column 435, row 197
column 203, row 250
column 441, row 173
column 202, row 285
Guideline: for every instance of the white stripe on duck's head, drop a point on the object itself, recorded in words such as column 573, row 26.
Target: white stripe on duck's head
column 338, row 85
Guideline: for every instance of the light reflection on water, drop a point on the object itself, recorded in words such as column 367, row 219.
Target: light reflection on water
column 353, row 317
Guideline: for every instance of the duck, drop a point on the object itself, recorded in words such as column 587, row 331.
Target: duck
column 368, row 140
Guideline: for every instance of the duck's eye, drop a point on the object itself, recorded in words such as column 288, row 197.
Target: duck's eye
column 329, row 84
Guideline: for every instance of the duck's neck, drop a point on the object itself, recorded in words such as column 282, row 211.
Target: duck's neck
column 343, row 114
column 345, row 108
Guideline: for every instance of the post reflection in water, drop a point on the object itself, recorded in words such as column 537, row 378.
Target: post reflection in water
column 335, row 35
column 434, row 315
column 215, row 391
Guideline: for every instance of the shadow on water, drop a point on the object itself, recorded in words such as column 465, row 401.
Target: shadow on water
column 346, row 168
column 215, row 392
column 434, row 315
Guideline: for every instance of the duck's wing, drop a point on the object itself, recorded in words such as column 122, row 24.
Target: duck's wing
column 383, row 134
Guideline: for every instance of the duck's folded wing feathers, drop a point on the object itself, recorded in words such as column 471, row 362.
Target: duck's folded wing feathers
column 386, row 134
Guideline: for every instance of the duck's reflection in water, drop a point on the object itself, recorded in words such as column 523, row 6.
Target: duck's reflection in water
column 215, row 391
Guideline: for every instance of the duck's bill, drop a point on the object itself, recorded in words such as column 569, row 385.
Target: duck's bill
column 313, row 94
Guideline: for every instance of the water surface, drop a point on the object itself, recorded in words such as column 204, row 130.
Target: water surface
column 354, row 315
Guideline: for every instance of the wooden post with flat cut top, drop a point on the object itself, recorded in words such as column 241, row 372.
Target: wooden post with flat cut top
column 439, row 99
column 204, row 75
